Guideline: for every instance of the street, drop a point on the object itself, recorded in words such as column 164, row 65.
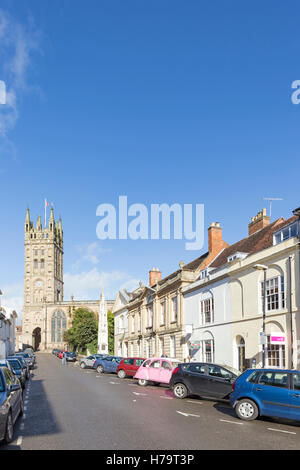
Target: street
column 70, row 408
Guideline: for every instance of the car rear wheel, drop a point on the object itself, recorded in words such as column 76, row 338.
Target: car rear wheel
column 143, row 382
column 246, row 409
column 100, row 369
column 121, row 374
column 180, row 391
column 9, row 432
column 82, row 365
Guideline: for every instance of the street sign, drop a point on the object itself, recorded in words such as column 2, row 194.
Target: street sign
column 278, row 338
column 262, row 338
column 195, row 344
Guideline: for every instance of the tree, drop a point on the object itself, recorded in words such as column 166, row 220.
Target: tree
column 84, row 329
column 111, row 331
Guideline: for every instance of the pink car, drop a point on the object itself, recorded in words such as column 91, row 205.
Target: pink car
column 157, row 370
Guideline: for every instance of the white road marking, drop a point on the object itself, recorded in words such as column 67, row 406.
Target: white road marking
column 19, row 441
column 197, row 402
column 281, row 430
column 115, row 383
column 142, row 394
column 187, row 414
column 166, row 398
column 233, row 422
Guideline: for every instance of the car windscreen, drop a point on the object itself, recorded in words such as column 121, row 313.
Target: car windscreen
column 15, row 364
column 22, row 361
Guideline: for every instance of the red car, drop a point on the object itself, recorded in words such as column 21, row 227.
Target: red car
column 129, row 366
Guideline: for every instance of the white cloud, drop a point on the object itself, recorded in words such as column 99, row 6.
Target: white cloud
column 89, row 284
column 18, row 42
column 89, row 252
column 12, row 298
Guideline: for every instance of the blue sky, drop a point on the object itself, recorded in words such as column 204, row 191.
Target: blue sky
column 162, row 101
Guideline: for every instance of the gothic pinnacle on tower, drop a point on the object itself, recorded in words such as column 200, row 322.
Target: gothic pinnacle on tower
column 52, row 220
column 39, row 223
column 27, row 220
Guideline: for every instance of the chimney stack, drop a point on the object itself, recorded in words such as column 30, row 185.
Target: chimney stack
column 154, row 276
column 260, row 221
column 215, row 240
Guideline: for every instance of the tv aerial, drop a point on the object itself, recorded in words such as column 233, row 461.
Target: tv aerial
column 271, row 199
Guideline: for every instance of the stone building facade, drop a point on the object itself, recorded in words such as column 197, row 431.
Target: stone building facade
column 151, row 322
column 46, row 315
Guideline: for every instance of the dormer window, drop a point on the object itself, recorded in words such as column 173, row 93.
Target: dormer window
column 204, row 274
column 237, row 255
column 284, row 234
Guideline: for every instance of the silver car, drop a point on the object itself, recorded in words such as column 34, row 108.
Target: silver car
column 88, row 361
column 11, row 403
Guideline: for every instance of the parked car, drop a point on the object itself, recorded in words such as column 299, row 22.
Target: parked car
column 129, row 366
column 107, row 364
column 28, row 359
column 156, row 370
column 24, row 364
column 15, row 366
column 54, row 351
column 267, row 392
column 70, row 356
column 11, row 403
column 30, row 354
column 90, row 360
column 203, row 379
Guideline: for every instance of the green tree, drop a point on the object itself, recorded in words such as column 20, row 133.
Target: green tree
column 83, row 331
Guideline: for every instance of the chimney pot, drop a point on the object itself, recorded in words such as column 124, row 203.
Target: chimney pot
column 260, row 221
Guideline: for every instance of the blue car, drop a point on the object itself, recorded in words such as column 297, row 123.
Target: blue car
column 267, row 392
column 107, row 364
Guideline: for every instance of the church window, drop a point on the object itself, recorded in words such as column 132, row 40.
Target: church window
column 58, row 326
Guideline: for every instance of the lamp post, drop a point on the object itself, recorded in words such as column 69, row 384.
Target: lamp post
column 262, row 267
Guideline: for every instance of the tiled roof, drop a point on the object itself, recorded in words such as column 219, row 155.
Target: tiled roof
column 193, row 265
column 254, row 243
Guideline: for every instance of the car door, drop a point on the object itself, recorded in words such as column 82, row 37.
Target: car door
column 273, row 393
column 107, row 364
column 165, row 372
column 129, row 366
column 219, row 381
column 195, row 378
column 90, row 361
column 154, row 371
column 12, row 395
column 295, row 396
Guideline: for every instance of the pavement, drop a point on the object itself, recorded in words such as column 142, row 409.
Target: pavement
column 67, row 408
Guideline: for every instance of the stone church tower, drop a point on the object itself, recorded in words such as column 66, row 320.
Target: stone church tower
column 45, row 313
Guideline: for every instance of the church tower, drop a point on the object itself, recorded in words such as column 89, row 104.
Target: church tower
column 43, row 277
